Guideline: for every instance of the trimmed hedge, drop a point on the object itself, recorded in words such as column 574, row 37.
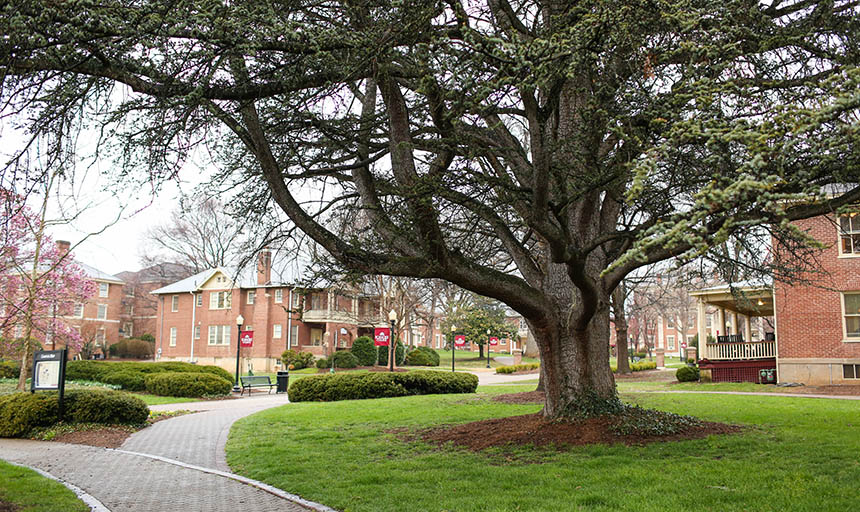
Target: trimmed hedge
column 323, row 363
column 191, row 385
column 422, row 356
column 103, row 371
column 9, row 369
column 127, row 380
column 352, row 386
column 518, row 368
column 299, row 360
column 345, row 359
column 638, row 367
column 687, row 374
column 364, row 350
column 22, row 412
column 133, row 348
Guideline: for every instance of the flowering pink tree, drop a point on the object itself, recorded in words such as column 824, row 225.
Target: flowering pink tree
column 40, row 285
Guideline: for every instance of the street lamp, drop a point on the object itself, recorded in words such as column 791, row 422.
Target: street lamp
column 239, row 321
column 392, row 319
column 453, row 329
column 488, row 348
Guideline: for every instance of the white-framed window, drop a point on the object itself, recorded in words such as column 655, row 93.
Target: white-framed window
column 276, row 331
column 708, row 320
column 316, row 301
column 523, row 324
column 297, row 299
column 219, row 334
column 129, row 291
column 294, row 334
column 851, row 315
column 220, row 300
column 102, row 312
column 79, row 310
column 279, row 295
column 196, row 332
column 670, row 342
column 249, row 327
column 670, row 322
column 849, row 234
column 438, row 341
column 252, row 296
column 174, row 303
column 851, row 371
column 103, row 289
column 129, row 309
column 173, row 336
column 100, row 337
column 128, row 329
column 503, row 341
column 198, row 299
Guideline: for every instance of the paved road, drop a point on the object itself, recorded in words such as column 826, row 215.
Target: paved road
column 175, row 465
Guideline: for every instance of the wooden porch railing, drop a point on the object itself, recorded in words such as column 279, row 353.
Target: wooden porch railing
column 735, row 351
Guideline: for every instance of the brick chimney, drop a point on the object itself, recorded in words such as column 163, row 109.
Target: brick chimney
column 63, row 246
column 264, row 267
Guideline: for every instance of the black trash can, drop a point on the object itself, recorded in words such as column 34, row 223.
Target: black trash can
column 283, row 381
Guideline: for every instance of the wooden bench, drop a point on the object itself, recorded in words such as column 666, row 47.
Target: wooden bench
column 255, row 381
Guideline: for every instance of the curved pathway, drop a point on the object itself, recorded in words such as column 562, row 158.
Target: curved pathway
column 174, row 465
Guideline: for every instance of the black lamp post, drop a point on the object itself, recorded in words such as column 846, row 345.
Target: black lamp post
column 392, row 319
column 239, row 321
column 488, row 348
column 453, row 330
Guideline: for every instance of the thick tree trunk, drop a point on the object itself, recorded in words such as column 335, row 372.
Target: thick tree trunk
column 575, row 371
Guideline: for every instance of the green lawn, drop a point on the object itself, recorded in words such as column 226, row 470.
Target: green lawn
column 468, row 359
column 31, row 492
column 799, row 454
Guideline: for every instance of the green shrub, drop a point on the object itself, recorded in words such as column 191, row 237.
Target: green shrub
column 104, row 406
column 422, row 356
column 127, row 380
column 640, row 355
column 323, row 363
column 217, row 370
column 86, row 370
column 399, row 354
column 643, row 365
column 187, row 384
column 354, row 386
column 345, row 359
column 147, row 337
column 687, row 374
column 97, row 371
column 132, row 348
column 518, row 368
column 299, row 360
column 22, row 412
column 364, row 350
column 9, row 369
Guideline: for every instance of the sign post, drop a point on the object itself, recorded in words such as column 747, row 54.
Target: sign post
column 49, row 372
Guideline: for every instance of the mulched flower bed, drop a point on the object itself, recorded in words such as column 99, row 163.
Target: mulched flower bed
column 111, row 436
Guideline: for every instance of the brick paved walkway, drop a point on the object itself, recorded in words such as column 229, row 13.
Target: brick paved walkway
column 127, row 481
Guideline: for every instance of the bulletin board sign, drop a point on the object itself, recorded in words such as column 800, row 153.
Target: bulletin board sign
column 49, row 370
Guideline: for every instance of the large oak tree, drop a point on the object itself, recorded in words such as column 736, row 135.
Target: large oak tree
column 533, row 151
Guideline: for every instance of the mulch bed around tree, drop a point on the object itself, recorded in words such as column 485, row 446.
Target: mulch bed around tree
column 5, row 506
column 533, row 429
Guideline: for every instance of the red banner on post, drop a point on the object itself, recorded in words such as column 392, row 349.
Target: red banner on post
column 459, row 340
column 381, row 335
column 494, row 340
column 246, row 339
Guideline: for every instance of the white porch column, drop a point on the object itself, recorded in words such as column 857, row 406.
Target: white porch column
column 736, row 326
column 747, row 328
column 721, row 320
column 700, row 325
column 661, row 341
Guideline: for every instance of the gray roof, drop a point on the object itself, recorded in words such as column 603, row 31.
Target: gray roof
column 98, row 275
column 738, row 285
column 247, row 279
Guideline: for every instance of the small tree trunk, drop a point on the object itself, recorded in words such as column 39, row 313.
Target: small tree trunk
column 618, row 296
column 481, row 350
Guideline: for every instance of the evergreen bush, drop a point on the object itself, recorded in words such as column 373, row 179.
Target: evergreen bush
column 299, row 360
column 345, row 359
column 9, row 369
column 364, row 350
column 354, row 386
column 187, row 384
column 399, row 354
column 422, row 356
column 518, row 368
column 128, row 380
column 323, row 363
column 687, row 374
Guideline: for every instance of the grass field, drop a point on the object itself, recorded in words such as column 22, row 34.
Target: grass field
column 797, row 454
column 28, row 491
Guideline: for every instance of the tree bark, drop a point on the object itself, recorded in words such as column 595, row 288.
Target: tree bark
column 618, row 299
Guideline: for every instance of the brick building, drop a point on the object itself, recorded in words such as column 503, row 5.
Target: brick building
column 139, row 308
column 196, row 317
column 815, row 338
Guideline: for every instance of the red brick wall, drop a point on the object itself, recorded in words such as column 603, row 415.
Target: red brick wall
column 809, row 319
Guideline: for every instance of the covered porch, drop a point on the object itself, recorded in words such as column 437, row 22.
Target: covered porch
column 735, row 353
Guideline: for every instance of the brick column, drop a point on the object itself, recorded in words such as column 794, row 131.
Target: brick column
column 661, row 357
